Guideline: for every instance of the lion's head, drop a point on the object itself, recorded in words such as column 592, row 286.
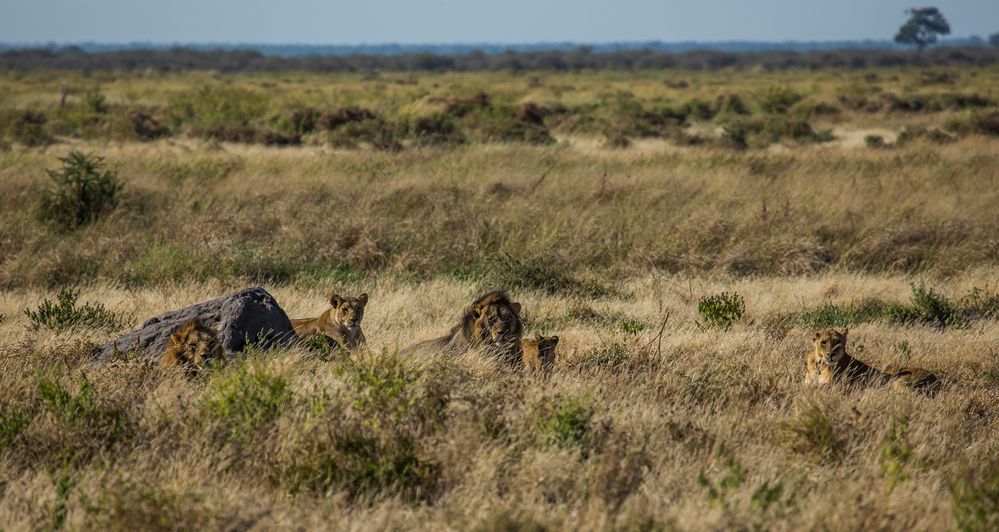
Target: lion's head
column 493, row 320
column 830, row 345
column 194, row 343
column 348, row 311
column 546, row 351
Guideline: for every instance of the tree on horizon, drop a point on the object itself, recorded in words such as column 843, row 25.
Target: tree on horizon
column 923, row 27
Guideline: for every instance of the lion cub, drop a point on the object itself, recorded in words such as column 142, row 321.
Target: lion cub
column 539, row 354
column 340, row 323
column 192, row 346
column 829, row 361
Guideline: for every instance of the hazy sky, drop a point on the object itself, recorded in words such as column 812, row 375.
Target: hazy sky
column 449, row 21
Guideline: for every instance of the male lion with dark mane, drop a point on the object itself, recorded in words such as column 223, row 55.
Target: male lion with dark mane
column 492, row 321
column 192, row 346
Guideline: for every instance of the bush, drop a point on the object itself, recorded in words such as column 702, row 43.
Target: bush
column 247, row 398
column 83, row 191
column 563, row 421
column 63, row 314
column 931, row 307
column 721, row 310
column 778, row 100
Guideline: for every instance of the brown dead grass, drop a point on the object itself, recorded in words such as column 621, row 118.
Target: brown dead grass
column 692, row 433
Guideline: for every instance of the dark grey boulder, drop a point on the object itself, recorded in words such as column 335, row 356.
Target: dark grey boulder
column 250, row 317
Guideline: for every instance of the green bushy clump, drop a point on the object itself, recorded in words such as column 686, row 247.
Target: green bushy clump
column 563, row 421
column 721, row 310
column 82, row 191
column 63, row 314
column 247, row 398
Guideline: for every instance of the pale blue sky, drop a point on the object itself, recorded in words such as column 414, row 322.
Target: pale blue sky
column 451, row 21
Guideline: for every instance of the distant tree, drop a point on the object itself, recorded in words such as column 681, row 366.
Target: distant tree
column 994, row 39
column 923, row 27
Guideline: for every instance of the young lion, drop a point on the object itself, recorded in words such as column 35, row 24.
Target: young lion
column 829, row 361
column 340, row 323
column 539, row 354
column 192, row 346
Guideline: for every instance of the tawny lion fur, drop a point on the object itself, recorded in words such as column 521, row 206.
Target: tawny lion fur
column 829, row 362
column 340, row 323
column 492, row 321
column 192, row 346
column 539, row 354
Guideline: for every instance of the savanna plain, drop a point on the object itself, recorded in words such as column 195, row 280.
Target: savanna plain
column 682, row 232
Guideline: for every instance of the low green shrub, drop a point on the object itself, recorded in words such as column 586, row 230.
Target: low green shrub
column 246, row 398
column 83, row 190
column 563, row 421
column 778, row 99
column 720, row 311
column 63, row 314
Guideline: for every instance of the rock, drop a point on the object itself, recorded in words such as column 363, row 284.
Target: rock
column 250, row 317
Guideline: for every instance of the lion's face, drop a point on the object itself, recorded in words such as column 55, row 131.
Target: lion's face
column 546, row 351
column 830, row 344
column 349, row 311
column 198, row 343
column 498, row 324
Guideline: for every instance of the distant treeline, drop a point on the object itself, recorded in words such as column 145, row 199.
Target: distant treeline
column 583, row 58
column 286, row 50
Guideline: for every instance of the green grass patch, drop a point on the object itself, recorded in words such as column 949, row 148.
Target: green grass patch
column 563, row 421
column 246, row 398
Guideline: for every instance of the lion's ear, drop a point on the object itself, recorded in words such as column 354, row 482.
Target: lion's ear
column 845, row 332
column 516, row 308
column 363, row 298
column 554, row 340
column 476, row 311
column 537, row 337
column 816, row 335
column 335, row 300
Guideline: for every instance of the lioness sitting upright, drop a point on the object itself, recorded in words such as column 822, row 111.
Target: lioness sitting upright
column 539, row 354
column 191, row 347
column 829, row 361
column 491, row 321
column 340, row 323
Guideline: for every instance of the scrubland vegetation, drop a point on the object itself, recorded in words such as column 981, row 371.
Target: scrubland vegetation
column 682, row 232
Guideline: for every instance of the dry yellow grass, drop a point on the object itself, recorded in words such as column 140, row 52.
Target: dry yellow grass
column 709, row 405
column 693, row 429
